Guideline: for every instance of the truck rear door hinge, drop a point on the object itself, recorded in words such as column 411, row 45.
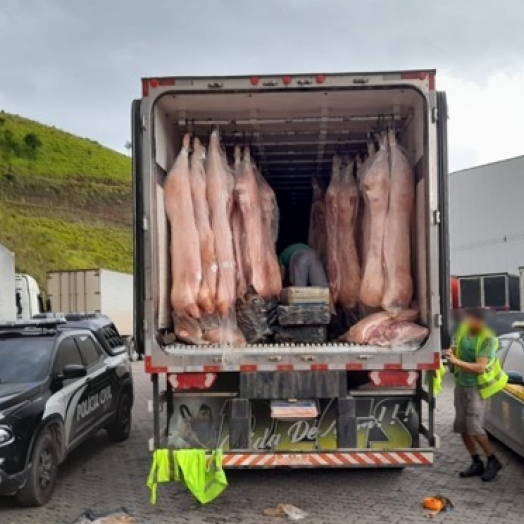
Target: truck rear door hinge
column 143, row 122
column 434, row 114
column 438, row 320
column 145, row 224
column 436, row 217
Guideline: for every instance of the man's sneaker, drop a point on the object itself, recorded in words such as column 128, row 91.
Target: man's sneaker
column 476, row 469
column 492, row 468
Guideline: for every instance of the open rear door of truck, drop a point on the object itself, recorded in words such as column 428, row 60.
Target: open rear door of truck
column 138, row 236
column 445, row 278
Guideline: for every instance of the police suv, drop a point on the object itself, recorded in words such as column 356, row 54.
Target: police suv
column 62, row 379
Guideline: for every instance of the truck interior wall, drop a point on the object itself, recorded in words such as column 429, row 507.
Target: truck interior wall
column 174, row 114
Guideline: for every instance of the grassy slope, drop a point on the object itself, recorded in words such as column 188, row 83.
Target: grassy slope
column 68, row 207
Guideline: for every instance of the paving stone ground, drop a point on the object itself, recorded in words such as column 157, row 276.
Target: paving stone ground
column 101, row 476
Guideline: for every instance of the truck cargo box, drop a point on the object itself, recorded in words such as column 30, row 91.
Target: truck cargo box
column 94, row 291
column 293, row 127
column 8, row 306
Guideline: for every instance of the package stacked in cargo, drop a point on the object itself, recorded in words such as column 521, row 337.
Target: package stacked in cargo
column 300, row 334
column 305, row 295
column 304, row 315
column 256, row 316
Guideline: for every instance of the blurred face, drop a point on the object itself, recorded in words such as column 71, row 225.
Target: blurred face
column 474, row 324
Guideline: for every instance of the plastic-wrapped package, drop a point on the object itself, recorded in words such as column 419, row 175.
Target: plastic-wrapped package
column 373, row 325
column 189, row 330
column 186, row 268
column 332, row 265
column 398, row 290
column 304, row 314
column 304, row 295
column 374, row 183
column 207, row 293
column 348, row 262
column 317, row 221
column 300, row 334
column 400, row 334
column 116, row 516
column 252, row 317
column 219, row 196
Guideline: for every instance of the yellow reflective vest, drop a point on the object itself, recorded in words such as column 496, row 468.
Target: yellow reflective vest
column 493, row 379
column 437, row 380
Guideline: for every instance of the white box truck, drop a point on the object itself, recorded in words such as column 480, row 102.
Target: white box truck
column 20, row 297
column 372, row 407
column 8, row 310
column 95, row 291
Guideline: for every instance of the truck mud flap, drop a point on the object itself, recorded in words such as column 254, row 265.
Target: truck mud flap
column 338, row 459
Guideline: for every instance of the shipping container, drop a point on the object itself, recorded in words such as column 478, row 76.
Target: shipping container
column 498, row 291
column 367, row 399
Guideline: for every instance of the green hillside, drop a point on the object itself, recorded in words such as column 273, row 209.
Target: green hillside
column 65, row 201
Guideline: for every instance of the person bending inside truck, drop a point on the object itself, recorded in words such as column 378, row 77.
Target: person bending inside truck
column 478, row 375
column 301, row 266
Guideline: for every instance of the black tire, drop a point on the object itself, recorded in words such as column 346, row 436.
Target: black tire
column 120, row 428
column 41, row 477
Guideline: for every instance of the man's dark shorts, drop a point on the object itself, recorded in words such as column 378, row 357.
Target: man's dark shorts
column 469, row 411
column 306, row 269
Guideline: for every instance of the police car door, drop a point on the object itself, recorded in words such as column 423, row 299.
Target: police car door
column 96, row 403
column 510, row 408
column 70, row 390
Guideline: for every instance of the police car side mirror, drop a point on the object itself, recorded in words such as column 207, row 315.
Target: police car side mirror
column 72, row 371
column 514, row 377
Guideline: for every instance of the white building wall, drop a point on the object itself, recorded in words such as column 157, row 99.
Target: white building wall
column 487, row 218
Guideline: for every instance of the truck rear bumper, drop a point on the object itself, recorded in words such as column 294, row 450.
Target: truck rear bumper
column 397, row 458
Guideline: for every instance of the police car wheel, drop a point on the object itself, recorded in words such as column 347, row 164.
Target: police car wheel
column 119, row 430
column 41, row 476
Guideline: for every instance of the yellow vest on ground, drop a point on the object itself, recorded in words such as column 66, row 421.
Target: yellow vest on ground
column 493, row 379
column 200, row 472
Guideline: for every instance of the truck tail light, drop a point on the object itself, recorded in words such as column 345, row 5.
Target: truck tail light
column 392, row 378
column 183, row 381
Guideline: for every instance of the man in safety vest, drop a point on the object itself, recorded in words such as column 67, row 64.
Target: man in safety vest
column 478, row 375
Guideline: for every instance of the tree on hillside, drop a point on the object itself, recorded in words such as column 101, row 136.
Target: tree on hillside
column 128, row 145
column 33, row 143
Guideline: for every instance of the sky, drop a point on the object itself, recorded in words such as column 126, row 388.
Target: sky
column 77, row 64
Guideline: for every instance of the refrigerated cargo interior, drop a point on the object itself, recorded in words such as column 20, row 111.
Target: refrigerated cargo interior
column 293, row 135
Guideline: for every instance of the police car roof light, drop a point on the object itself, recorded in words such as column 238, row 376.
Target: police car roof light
column 81, row 316
column 18, row 325
column 49, row 316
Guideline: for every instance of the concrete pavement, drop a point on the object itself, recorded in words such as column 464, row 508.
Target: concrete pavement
column 101, row 476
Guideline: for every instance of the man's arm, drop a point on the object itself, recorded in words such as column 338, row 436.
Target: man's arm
column 477, row 367
column 474, row 367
